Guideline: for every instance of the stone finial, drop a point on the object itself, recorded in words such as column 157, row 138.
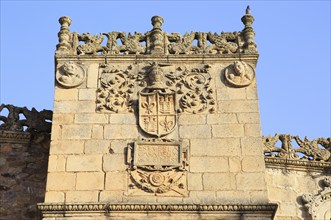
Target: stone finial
column 248, row 32
column 157, row 22
column 64, row 35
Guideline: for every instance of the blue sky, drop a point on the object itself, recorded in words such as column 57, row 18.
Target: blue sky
column 293, row 38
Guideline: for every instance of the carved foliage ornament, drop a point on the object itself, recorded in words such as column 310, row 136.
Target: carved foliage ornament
column 70, row 75
column 158, row 167
column 239, row 74
column 192, row 86
column 319, row 206
column 115, row 89
column 318, row 149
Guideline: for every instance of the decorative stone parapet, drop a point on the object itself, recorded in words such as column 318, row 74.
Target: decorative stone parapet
column 20, row 119
column 307, row 155
column 156, row 41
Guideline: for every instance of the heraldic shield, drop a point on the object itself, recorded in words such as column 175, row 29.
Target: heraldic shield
column 157, row 112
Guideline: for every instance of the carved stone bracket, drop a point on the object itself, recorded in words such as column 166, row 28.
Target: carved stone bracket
column 319, row 205
column 239, row 74
column 318, row 149
column 157, row 166
column 23, row 119
column 70, row 75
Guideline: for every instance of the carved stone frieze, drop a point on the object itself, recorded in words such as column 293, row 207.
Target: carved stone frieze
column 319, row 206
column 317, row 150
column 103, row 207
column 239, row 74
column 115, row 89
column 157, row 167
column 70, row 75
column 157, row 42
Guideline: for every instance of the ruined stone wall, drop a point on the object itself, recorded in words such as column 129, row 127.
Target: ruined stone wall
column 23, row 170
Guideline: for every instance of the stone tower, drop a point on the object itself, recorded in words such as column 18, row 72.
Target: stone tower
column 159, row 126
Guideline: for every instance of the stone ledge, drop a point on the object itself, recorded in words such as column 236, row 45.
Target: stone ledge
column 56, row 209
column 16, row 137
column 299, row 165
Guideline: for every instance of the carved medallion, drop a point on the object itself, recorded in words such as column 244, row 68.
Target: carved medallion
column 240, row 74
column 157, row 166
column 157, row 112
column 70, row 75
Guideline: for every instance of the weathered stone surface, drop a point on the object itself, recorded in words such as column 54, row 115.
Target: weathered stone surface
column 67, row 147
column 79, row 132
column 63, row 119
column 218, row 181
column 97, row 131
column 82, row 196
column 192, row 119
column 116, row 181
column 250, row 181
column 87, row 94
column 230, row 130
column 253, row 164
column 123, row 119
column 84, row 163
column 248, row 117
column 56, row 163
column 92, row 76
column 114, row 162
column 252, row 130
column 74, row 107
column 251, row 146
column 194, row 181
column 215, row 147
column 209, row 164
column 90, row 181
column 54, row 196
column 61, row 181
column 238, row 106
column 91, row 118
column 65, row 94
column 120, row 131
column 223, row 118
column 97, row 147
column 194, row 131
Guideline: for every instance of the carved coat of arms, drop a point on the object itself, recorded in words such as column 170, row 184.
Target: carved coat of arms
column 157, row 112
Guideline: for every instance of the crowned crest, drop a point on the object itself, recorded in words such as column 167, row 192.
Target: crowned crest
column 157, row 112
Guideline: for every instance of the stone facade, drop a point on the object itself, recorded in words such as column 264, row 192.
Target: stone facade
column 156, row 127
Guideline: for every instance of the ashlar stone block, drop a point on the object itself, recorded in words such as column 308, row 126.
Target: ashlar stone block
column 209, row 164
column 61, row 181
column 215, row 147
column 82, row 196
column 90, row 181
column 194, row 131
column 218, row 181
column 116, row 181
column 76, row 131
column 84, row 163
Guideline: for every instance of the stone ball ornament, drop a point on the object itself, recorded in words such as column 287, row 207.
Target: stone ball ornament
column 239, row 74
column 70, row 75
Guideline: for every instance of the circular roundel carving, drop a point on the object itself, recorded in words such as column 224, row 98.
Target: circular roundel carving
column 239, row 74
column 70, row 75
column 156, row 179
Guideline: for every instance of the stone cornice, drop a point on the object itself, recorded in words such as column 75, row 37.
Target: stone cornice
column 57, row 208
column 161, row 58
column 299, row 165
column 14, row 137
